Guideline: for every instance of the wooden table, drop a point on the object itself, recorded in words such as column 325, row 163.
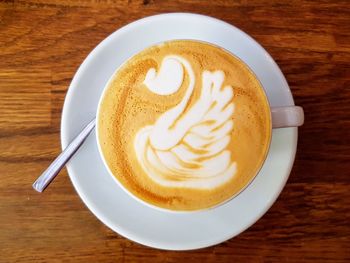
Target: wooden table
column 42, row 43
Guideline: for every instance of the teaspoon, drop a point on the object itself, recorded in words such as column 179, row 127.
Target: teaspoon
column 56, row 166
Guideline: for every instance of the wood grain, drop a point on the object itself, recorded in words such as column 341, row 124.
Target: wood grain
column 23, row 104
column 42, row 44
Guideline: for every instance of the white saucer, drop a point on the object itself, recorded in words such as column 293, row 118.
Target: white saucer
column 109, row 202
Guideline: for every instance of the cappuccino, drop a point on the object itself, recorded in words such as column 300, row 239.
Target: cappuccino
column 184, row 125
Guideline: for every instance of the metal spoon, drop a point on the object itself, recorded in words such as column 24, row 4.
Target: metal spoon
column 55, row 167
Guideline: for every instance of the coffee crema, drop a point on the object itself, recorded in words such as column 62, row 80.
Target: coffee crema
column 184, row 125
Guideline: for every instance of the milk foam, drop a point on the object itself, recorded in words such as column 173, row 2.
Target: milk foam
column 188, row 147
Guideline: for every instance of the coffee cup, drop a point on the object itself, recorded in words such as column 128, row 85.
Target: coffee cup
column 185, row 125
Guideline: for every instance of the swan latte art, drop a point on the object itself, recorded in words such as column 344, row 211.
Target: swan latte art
column 184, row 125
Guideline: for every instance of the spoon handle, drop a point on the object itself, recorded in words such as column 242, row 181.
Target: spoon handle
column 55, row 167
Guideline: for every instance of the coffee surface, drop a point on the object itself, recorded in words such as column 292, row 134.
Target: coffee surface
column 184, row 125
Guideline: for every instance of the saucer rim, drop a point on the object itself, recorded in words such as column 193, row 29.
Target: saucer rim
column 64, row 138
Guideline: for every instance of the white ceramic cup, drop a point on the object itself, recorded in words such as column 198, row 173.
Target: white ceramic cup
column 281, row 117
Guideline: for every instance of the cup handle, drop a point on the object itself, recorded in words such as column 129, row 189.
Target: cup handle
column 289, row 116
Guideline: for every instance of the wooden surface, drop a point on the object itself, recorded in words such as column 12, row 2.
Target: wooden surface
column 42, row 43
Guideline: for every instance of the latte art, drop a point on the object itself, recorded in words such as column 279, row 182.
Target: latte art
column 184, row 125
column 187, row 147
